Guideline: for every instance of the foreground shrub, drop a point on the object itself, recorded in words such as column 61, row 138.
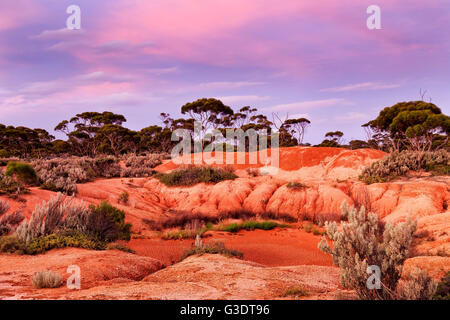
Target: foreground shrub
column 103, row 222
column 23, row 173
column 47, row 218
column 361, row 243
column 193, row 175
column 398, row 164
column 46, row 279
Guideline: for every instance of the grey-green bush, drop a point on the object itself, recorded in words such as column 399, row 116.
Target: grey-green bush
column 46, row 279
column 363, row 241
column 48, row 218
column 62, row 174
column 141, row 166
column 398, row 164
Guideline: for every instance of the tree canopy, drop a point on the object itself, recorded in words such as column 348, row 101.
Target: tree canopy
column 415, row 125
column 411, row 125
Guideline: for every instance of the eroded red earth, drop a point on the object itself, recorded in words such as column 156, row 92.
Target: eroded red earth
column 273, row 260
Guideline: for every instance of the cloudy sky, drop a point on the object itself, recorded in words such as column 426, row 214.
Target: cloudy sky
column 143, row 57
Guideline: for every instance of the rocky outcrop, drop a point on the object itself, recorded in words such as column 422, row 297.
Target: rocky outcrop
column 393, row 201
column 219, row 277
column 96, row 267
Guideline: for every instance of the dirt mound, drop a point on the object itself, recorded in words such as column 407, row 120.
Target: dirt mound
column 218, row 277
column 304, row 162
column 393, row 201
column 95, row 266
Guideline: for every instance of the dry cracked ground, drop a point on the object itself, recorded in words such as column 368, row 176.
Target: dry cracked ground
column 273, row 261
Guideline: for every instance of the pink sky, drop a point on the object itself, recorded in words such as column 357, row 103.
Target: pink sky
column 143, row 57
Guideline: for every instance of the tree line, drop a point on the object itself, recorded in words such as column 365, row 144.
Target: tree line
column 413, row 125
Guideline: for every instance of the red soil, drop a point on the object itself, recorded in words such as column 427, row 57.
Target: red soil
column 331, row 178
column 278, row 247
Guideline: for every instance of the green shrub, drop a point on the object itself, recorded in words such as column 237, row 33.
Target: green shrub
column 46, row 279
column 251, row 225
column 42, row 244
column 63, row 240
column 12, row 245
column 296, row 186
column 105, row 231
column 23, row 172
column 194, row 175
column 398, row 164
column 360, row 243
